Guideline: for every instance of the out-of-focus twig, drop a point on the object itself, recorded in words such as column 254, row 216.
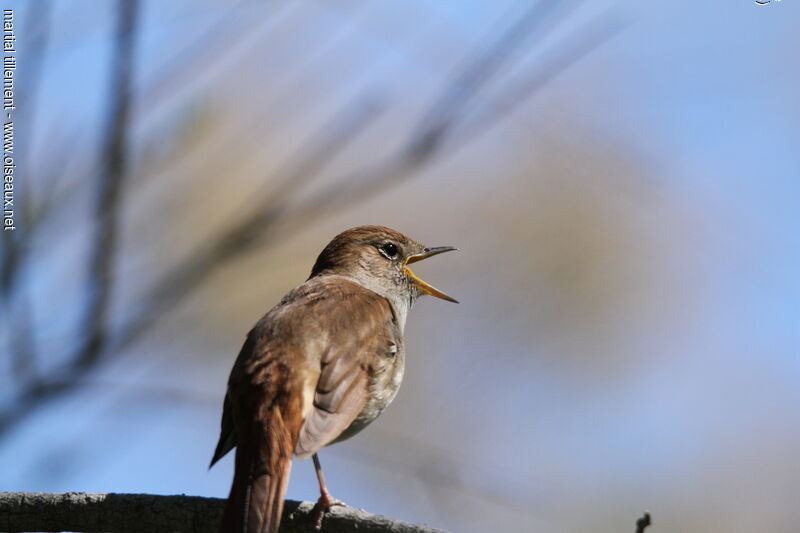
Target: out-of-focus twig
column 197, row 59
column 358, row 186
column 474, row 75
column 259, row 226
column 17, row 308
column 313, row 157
column 593, row 34
column 103, row 245
column 643, row 522
column 439, row 132
column 220, row 150
column 95, row 340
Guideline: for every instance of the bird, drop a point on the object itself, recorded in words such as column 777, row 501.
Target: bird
column 318, row 368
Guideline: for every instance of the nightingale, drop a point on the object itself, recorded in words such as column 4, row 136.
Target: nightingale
column 317, row 369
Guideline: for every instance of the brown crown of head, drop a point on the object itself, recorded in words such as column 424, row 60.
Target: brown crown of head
column 378, row 250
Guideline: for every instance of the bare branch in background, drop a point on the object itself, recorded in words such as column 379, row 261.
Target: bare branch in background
column 303, row 168
column 444, row 120
column 105, row 232
column 643, row 522
column 196, row 59
column 476, row 74
column 102, row 253
column 593, row 34
column 423, row 144
column 133, row 513
column 403, row 165
column 15, row 245
column 221, row 149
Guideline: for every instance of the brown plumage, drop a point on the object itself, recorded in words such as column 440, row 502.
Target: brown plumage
column 317, row 368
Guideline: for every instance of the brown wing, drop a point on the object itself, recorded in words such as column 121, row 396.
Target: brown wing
column 358, row 328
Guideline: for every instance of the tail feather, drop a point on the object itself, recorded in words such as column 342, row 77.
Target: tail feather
column 263, row 465
column 277, row 491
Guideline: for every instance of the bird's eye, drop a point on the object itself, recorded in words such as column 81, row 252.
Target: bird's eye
column 389, row 249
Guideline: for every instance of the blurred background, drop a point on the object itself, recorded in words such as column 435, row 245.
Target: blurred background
column 622, row 179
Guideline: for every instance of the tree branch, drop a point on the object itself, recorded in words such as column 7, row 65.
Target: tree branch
column 128, row 513
column 643, row 522
column 103, row 248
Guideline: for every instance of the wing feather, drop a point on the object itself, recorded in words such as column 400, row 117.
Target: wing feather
column 360, row 330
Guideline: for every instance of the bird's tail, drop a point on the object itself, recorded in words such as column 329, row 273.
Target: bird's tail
column 263, row 465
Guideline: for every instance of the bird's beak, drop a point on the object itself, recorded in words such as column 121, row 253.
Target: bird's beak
column 424, row 287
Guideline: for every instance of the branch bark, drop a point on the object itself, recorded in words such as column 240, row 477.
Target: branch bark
column 128, row 513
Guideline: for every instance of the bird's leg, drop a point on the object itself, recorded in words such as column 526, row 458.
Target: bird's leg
column 326, row 501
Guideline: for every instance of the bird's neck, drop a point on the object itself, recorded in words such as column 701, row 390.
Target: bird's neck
column 400, row 300
column 401, row 307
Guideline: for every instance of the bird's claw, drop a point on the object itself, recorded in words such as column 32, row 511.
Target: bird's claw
column 325, row 502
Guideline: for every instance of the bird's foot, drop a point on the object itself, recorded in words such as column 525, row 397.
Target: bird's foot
column 325, row 502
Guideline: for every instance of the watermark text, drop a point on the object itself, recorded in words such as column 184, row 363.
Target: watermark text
column 9, row 69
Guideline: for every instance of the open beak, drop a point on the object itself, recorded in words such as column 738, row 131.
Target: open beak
column 424, row 287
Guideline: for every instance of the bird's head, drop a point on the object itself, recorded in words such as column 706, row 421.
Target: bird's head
column 378, row 258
